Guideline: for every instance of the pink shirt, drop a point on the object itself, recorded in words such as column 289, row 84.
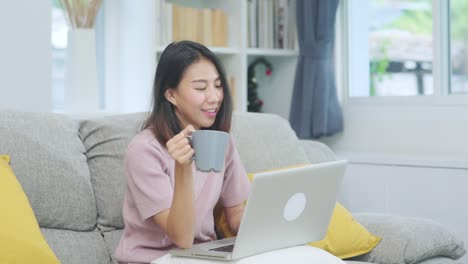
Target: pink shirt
column 150, row 186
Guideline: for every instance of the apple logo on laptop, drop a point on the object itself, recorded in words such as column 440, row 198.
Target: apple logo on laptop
column 294, row 207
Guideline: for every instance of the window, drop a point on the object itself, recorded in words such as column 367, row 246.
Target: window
column 59, row 45
column 459, row 46
column 415, row 114
column 404, row 45
column 400, row 47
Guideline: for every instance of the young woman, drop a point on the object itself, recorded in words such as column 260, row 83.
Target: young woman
column 168, row 203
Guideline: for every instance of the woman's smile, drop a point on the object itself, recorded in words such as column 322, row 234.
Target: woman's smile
column 211, row 112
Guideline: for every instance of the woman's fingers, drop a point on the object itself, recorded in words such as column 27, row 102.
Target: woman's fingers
column 188, row 156
column 179, row 146
column 181, row 152
column 182, row 135
column 184, row 155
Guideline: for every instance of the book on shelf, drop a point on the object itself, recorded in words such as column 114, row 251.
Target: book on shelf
column 271, row 24
column 220, row 24
column 207, row 18
column 204, row 25
column 252, row 23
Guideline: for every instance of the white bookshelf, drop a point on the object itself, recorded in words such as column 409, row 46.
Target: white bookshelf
column 274, row 90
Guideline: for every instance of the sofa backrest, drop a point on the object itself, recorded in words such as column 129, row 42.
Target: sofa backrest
column 105, row 140
column 264, row 141
column 73, row 171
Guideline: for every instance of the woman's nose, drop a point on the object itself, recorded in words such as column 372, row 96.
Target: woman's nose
column 214, row 94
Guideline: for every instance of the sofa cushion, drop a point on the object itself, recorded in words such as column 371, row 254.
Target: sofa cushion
column 409, row 240
column 105, row 140
column 112, row 239
column 266, row 141
column 440, row 260
column 436, row 260
column 316, row 151
column 356, row 262
column 19, row 231
column 48, row 158
column 73, row 247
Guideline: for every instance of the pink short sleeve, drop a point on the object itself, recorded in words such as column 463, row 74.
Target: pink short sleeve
column 236, row 185
column 147, row 177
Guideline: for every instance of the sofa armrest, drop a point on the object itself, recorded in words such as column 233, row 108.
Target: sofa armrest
column 317, row 152
column 409, row 240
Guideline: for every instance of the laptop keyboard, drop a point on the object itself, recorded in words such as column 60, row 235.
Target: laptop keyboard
column 227, row 248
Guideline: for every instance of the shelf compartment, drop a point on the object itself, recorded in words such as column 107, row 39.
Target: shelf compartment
column 272, row 52
column 215, row 50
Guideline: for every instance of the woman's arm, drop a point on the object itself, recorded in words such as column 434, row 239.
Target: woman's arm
column 179, row 221
column 234, row 216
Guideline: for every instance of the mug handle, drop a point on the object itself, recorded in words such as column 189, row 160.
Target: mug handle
column 189, row 138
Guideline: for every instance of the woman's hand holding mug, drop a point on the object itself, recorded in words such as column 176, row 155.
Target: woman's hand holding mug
column 179, row 146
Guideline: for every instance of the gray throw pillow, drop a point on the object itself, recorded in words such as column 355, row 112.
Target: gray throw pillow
column 408, row 240
column 440, row 260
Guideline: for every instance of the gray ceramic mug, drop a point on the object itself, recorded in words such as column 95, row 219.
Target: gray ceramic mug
column 210, row 149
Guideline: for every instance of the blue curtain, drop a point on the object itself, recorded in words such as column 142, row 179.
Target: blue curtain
column 315, row 110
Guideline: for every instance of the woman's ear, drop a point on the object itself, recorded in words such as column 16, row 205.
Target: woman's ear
column 169, row 94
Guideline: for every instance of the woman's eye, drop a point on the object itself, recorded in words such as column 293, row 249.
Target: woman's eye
column 219, row 86
column 200, row 88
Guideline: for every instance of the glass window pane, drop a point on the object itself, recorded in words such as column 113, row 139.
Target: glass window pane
column 400, row 47
column 59, row 44
column 459, row 46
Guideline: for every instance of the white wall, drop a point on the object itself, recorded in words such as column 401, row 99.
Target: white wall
column 279, row 101
column 130, row 54
column 25, row 55
column 416, row 131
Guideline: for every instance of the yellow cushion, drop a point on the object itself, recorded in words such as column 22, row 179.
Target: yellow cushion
column 345, row 237
column 21, row 240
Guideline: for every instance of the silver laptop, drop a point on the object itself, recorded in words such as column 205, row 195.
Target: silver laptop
column 285, row 208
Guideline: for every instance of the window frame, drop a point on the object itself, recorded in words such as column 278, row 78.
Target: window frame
column 349, row 70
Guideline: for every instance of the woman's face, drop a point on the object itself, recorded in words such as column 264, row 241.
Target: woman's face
column 198, row 96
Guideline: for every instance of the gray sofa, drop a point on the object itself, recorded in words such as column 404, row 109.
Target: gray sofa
column 72, row 172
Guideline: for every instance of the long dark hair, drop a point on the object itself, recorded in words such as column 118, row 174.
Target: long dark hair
column 173, row 63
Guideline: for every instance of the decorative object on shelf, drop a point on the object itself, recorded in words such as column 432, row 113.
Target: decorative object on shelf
column 81, row 82
column 255, row 103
